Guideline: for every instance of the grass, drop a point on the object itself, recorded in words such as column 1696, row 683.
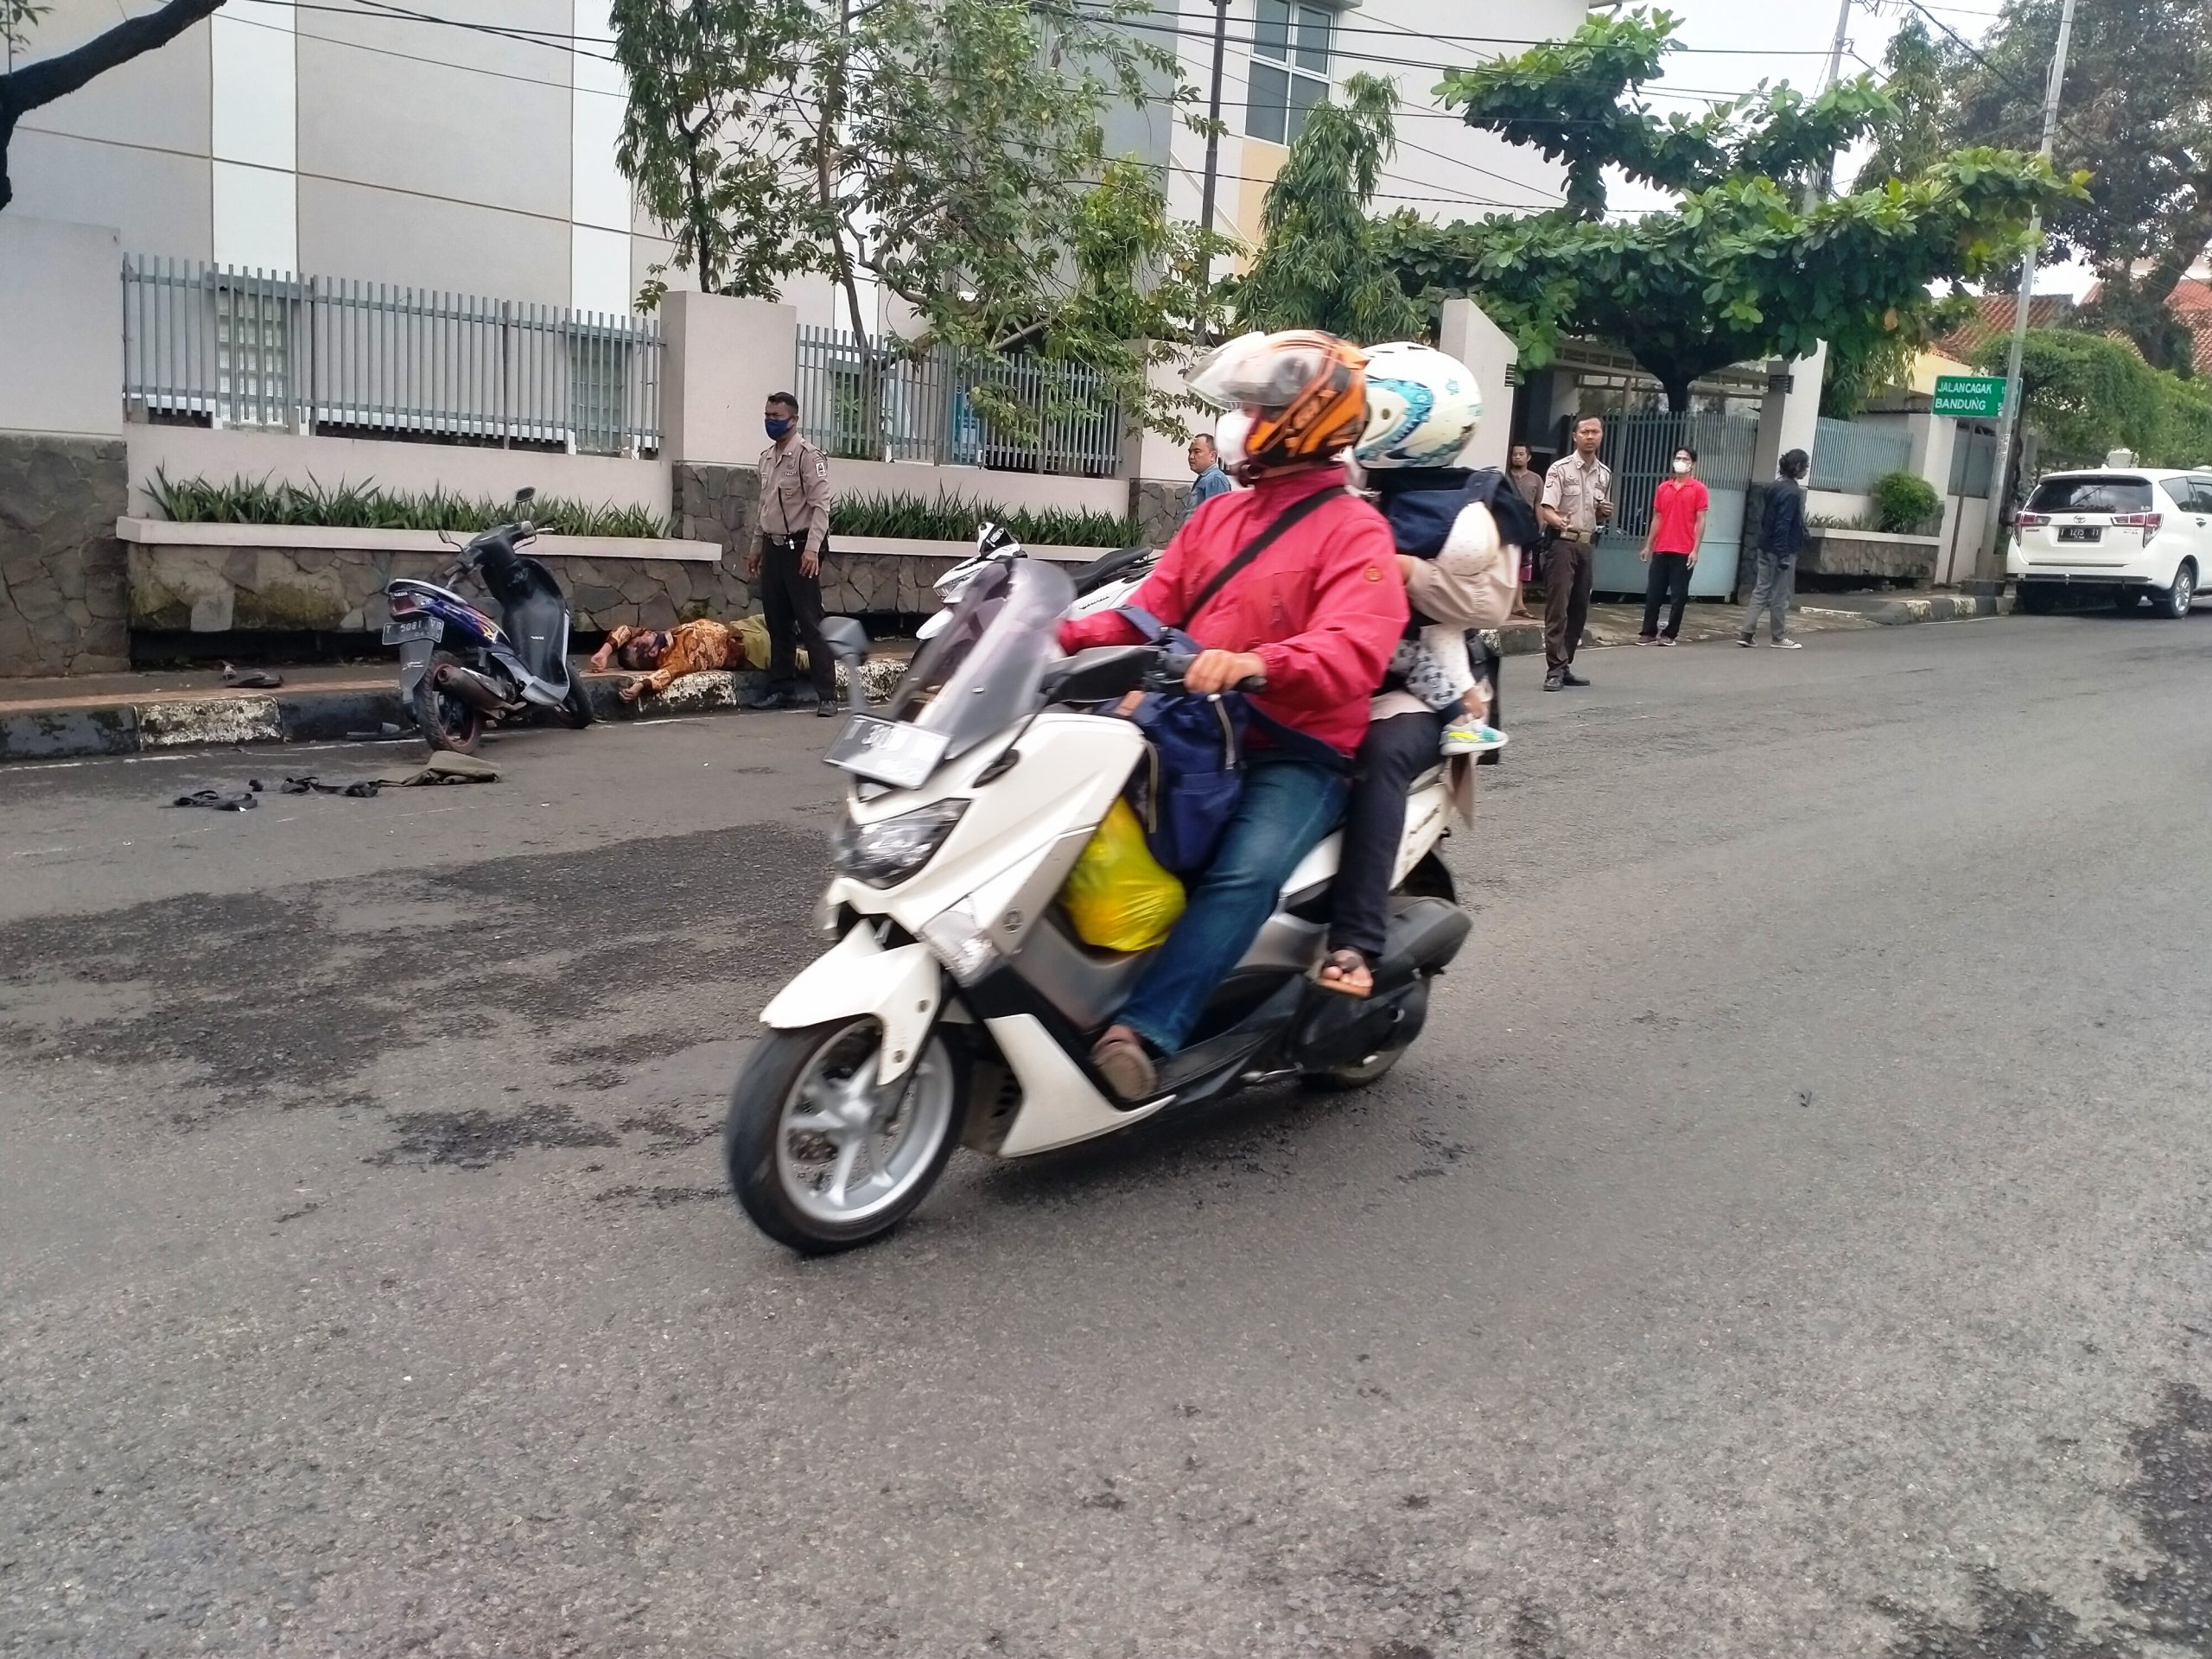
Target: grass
column 954, row 518
column 366, row 506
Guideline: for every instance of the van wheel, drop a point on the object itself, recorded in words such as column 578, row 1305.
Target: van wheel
column 2173, row 602
column 822, row 1158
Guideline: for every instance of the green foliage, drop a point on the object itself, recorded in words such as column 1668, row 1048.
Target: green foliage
column 954, row 518
column 17, row 19
column 1904, row 503
column 1321, row 264
column 366, row 506
column 1743, row 268
column 1918, row 82
column 950, row 150
column 1855, row 374
column 1565, row 99
column 2084, row 395
column 2137, row 112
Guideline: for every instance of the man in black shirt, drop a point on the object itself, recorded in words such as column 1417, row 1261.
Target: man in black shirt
column 1781, row 535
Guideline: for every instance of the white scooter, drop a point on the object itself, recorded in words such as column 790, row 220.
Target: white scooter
column 1099, row 586
column 957, row 1006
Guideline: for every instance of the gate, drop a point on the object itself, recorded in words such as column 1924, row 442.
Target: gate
column 1640, row 448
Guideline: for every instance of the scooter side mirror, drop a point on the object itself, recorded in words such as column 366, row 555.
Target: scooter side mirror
column 1101, row 672
column 526, row 495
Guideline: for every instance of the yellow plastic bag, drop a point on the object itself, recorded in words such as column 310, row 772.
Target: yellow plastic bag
column 1117, row 895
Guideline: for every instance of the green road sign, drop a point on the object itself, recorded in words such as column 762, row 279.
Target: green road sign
column 1970, row 397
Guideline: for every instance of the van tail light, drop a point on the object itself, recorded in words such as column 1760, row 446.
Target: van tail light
column 405, row 604
column 2148, row 522
column 2030, row 520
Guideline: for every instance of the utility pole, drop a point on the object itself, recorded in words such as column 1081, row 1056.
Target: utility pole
column 1991, row 563
column 1213, row 140
column 1826, row 178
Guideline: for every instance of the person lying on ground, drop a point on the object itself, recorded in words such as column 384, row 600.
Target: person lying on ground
column 665, row 655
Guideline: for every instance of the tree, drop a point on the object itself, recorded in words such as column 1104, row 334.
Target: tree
column 1917, row 76
column 1749, row 264
column 2138, row 112
column 950, row 150
column 1321, row 264
column 42, row 81
column 2085, row 394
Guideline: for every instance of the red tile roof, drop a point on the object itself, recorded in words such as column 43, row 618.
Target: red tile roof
column 1966, row 344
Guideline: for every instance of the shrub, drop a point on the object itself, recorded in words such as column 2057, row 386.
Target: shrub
column 366, row 506
column 954, row 518
column 1904, row 502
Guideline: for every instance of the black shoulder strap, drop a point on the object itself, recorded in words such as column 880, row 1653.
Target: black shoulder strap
column 1259, row 544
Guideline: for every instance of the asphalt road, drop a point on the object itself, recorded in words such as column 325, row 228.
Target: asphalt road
column 1790, row 1236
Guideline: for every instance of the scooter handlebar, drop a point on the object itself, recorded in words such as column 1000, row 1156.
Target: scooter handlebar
column 1174, row 664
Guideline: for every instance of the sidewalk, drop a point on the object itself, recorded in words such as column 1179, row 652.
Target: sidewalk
column 131, row 714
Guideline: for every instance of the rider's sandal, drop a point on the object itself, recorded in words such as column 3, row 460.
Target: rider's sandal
column 1352, row 976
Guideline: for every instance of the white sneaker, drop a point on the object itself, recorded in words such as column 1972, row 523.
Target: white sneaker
column 1473, row 737
column 1786, row 644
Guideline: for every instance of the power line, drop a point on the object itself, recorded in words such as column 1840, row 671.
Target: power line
column 1968, row 47
column 1511, row 39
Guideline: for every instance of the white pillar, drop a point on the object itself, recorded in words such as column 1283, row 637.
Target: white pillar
column 1790, row 417
column 61, row 329
column 1465, row 331
column 722, row 358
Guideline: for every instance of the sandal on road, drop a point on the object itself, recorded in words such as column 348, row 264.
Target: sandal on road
column 1347, row 973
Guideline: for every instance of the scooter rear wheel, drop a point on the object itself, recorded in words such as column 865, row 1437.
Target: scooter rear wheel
column 1338, row 1079
column 575, row 708
column 445, row 722
column 821, row 1157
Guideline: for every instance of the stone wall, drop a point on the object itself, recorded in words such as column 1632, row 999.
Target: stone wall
column 1897, row 558
column 61, row 568
column 1159, row 507
column 258, row 589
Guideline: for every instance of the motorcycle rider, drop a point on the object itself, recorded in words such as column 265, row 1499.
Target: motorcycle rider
column 1317, row 613
column 1459, row 535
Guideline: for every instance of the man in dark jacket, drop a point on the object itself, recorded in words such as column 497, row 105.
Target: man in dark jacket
column 1781, row 536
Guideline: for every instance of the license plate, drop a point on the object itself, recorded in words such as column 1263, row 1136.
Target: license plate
column 2081, row 533
column 415, row 627
column 902, row 756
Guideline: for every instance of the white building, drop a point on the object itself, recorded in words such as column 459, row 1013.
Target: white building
column 475, row 154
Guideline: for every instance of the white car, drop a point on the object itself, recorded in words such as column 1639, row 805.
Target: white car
column 2121, row 534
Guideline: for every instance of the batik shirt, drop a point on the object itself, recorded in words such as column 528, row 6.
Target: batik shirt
column 688, row 648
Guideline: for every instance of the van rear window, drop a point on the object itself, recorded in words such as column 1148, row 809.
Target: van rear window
column 2092, row 494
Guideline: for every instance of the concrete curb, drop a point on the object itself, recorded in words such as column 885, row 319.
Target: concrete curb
column 1935, row 607
column 310, row 715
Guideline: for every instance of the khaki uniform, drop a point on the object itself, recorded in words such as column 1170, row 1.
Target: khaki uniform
column 1573, row 490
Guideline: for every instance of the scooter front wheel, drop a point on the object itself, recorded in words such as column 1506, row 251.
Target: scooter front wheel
column 446, row 720
column 822, row 1157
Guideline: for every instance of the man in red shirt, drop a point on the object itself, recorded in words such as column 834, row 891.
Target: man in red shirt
column 1317, row 613
column 1677, row 526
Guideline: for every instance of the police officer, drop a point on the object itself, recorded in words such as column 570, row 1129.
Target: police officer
column 794, row 526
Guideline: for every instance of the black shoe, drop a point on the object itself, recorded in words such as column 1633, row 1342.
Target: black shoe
column 765, row 700
column 824, row 709
column 1555, row 679
column 1568, row 677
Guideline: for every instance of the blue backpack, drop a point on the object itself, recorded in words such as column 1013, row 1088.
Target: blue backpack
column 1194, row 775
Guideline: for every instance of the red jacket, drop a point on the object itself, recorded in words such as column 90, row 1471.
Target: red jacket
column 1323, row 608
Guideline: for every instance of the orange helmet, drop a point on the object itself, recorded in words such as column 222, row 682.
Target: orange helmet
column 1302, row 397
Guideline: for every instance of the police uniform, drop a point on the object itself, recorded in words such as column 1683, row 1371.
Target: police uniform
column 794, row 521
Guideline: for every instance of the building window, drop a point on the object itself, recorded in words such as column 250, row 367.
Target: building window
column 1290, row 69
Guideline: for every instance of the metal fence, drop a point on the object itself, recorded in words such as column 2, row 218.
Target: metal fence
column 856, row 404
column 1640, row 448
column 1849, row 455
column 212, row 344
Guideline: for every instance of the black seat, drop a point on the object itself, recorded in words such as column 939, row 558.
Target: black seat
column 1099, row 571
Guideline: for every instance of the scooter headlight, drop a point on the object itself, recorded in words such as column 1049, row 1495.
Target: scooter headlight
column 887, row 852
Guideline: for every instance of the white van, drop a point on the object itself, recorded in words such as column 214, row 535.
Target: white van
column 2118, row 534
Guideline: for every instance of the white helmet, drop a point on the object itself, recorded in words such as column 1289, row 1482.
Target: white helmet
column 1421, row 407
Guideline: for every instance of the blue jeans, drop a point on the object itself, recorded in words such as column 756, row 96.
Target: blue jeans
column 1287, row 807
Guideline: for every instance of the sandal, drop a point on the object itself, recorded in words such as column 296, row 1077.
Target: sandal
column 1352, row 976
